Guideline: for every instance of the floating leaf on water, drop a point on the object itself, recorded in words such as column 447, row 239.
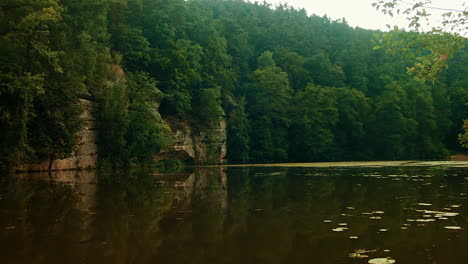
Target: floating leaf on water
column 342, row 224
column 443, row 218
column 397, row 175
column 450, row 214
column 430, row 212
column 350, row 208
column 381, row 261
column 327, row 221
column 424, row 204
column 386, row 250
column 425, row 220
column 404, row 227
column 453, row 227
column 383, row 230
column 339, row 229
column 378, row 212
column 455, row 205
column 363, row 250
column 353, row 237
column 375, row 217
column 357, row 255
column 366, row 213
column 10, row 227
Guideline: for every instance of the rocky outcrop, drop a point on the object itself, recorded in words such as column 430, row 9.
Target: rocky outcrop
column 199, row 145
column 202, row 145
column 84, row 154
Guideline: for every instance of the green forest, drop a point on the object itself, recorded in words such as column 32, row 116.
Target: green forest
column 294, row 87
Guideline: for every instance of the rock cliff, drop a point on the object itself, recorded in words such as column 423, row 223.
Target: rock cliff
column 202, row 145
column 85, row 153
column 198, row 145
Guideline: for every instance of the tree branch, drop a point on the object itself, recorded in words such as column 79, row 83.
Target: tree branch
column 434, row 8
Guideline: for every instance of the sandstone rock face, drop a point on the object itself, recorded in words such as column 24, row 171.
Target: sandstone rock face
column 85, row 153
column 207, row 145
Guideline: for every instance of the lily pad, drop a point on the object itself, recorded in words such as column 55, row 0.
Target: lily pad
column 450, row 214
column 424, row 204
column 453, row 227
column 381, row 261
column 339, row 229
column 357, row 255
column 425, row 220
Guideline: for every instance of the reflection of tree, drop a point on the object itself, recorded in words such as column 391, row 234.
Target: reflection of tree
column 254, row 215
column 42, row 217
column 126, row 227
column 195, row 236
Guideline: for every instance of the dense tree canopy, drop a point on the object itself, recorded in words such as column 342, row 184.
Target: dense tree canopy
column 293, row 86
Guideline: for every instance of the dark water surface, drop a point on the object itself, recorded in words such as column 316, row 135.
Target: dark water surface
column 238, row 215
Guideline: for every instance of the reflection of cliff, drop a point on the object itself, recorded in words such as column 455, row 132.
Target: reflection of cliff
column 49, row 216
column 82, row 185
column 198, row 212
column 205, row 184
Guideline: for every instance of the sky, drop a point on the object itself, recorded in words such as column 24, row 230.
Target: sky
column 360, row 13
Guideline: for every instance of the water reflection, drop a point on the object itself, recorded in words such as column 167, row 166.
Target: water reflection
column 237, row 215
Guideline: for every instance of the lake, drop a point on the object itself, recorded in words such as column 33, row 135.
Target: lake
column 395, row 212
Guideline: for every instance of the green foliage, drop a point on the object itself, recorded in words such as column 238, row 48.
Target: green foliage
column 463, row 137
column 324, row 72
column 269, row 93
column 147, row 131
column 293, row 87
column 238, row 135
column 313, row 118
column 351, row 131
column 113, row 122
column 38, row 119
column 132, row 130
column 430, row 49
column 208, row 106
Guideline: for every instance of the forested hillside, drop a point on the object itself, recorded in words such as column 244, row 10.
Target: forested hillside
column 294, row 87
